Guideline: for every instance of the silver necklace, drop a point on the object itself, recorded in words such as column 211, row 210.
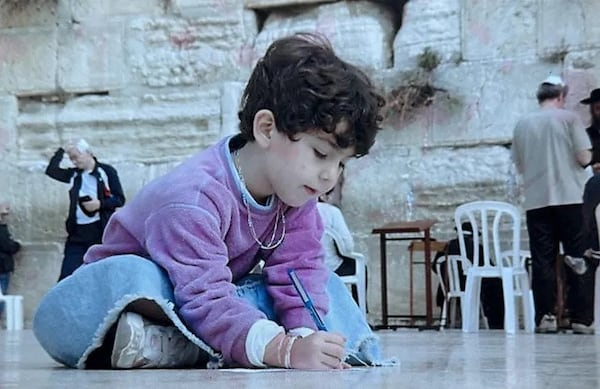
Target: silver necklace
column 279, row 218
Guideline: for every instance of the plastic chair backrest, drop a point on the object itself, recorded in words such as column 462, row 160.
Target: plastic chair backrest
column 489, row 218
column 453, row 288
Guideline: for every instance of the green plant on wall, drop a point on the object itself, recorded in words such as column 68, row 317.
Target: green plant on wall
column 416, row 89
column 428, row 60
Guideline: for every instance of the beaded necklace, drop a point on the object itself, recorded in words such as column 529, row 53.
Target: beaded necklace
column 279, row 218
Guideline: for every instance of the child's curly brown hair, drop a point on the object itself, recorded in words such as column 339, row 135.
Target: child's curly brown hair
column 308, row 88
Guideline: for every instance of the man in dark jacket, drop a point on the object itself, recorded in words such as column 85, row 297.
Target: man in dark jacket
column 593, row 130
column 8, row 248
column 95, row 193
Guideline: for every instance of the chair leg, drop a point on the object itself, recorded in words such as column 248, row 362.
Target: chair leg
column 362, row 297
column 410, row 287
column 9, row 308
column 483, row 318
column 453, row 311
column 18, row 313
column 597, row 302
column 444, row 313
column 508, row 291
column 470, row 305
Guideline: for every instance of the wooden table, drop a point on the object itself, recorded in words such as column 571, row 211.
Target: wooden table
column 418, row 230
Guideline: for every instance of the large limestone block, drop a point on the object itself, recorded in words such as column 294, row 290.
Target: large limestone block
column 212, row 47
column 361, row 32
column 493, row 29
column 15, row 14
column 261, row 4
column 231, row 97
column 473, row 103
column 28, row 60
column 8, row 117
column 86, row 10
column 91, row 56
column 149, row 128
column 39, row 204
column 440, row 179
column 581, row 81
column 567, row 26
column 428, row 23
column 484, row 101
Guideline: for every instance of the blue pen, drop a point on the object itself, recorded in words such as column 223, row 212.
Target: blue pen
column 308, row 304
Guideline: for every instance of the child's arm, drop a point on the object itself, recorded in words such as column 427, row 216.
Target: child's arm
column 302, row 252
column 319, row 351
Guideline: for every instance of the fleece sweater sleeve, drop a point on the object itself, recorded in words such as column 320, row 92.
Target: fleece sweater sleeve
column 302, row 251
column 187, row 241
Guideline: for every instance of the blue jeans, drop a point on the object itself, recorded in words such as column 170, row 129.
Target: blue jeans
column 74, row 317
column 4, row 280
column 73, row 259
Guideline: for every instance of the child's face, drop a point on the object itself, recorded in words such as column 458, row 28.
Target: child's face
column 304, row 169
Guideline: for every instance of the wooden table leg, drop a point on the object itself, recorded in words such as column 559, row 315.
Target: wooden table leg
column 384, row 303
column 428, row 278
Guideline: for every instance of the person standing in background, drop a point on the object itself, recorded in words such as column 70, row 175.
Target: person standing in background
column 593, row 130
column 8, row 248
column 94, row 195
column 551, row 151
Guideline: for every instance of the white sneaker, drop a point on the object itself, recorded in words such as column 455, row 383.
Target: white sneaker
column 141, row 344
column 579, row 328
column 547, row 325
column 577, row 264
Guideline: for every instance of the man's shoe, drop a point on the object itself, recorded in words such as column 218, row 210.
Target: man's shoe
column 579, row 328
column 577, row 264
column 142, row 344
column 547, row 325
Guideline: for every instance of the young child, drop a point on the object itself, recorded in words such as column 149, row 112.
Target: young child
column 247, row 199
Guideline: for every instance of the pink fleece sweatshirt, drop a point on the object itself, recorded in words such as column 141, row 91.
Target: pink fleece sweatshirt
column 193, row 223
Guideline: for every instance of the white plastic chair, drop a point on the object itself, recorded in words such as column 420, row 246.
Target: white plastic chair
column 337, row 242
column 13, row 310
column 359, row 279
column 452, row 291
column 494, row 264
column 524, row 255
column 597, row 302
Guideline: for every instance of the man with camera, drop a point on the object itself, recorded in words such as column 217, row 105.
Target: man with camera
column 95, row 192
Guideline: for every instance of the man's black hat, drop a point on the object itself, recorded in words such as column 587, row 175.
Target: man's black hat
column 594, row 97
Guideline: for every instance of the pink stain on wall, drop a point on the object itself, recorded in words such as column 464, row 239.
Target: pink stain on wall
column 219, row 4
column 506, row 67
column 11, row 49
column 246, row 55
column 481, row 32
column 183, row 40
column 4, row 138
column 471, row 110
column 442, row 115
column 580, row 85
column 326, row 26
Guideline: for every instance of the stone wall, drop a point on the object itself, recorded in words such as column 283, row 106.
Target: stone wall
column 147, row 83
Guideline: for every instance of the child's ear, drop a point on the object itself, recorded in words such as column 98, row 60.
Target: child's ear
column 264, row 127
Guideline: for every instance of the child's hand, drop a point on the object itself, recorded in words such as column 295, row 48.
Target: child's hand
column 319, row 351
